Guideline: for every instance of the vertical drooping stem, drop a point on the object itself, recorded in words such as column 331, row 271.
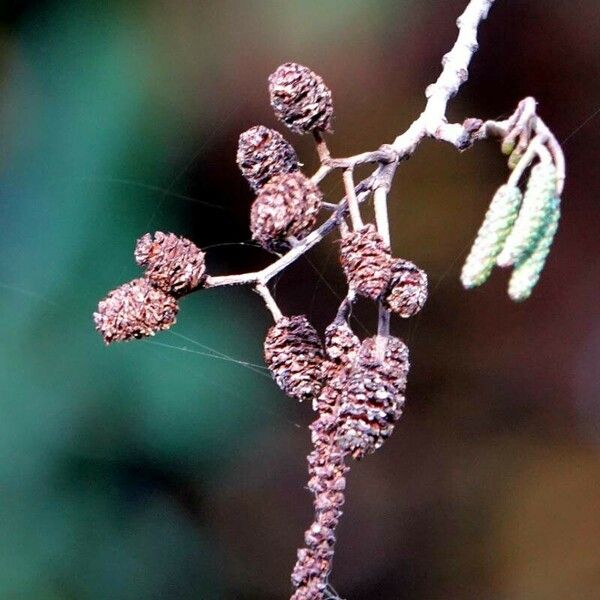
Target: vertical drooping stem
column 327, row 470
column 326, row 463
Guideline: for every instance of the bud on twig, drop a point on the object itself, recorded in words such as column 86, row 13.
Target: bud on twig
column 407, row 290
column 134, row 310
column 294, row 355
column 527, row 272
column 373, row 396
column 530, row 223
column 287, row 206
column 263, row 153
column 300, row 99
column 366, row 260
column 491, row 236
column 174, row 264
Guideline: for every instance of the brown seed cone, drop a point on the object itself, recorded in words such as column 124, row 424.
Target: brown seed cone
column 136, row 309
column 373, row 395
column 263, row 153
column 300, row 99
column 294, row 355
column 341, row 343
column 407, row 291
column 366, row 260
column 287, row 206
column 174, row 264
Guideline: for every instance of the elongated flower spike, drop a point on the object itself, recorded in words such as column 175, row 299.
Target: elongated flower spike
column 491, row 236
column 531, row 221
column 527, row 272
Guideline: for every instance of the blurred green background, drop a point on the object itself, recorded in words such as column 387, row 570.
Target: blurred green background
column 165, row 469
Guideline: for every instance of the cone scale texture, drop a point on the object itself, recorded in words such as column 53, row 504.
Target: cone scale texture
column 407, row 290
column 263, row 153
column 496, row 226
column 286, row 207
column 300, row 99
column 294, row 355
column 373, row 395
column 366, row 261
column 174, row 264
column 134, row 310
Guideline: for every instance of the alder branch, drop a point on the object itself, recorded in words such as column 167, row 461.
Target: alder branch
column 357, row 387
column 432, row 122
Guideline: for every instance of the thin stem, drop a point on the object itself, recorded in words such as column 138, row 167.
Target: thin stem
column 355, row 217
column 455, row 65
column 381, row 214
column 321, row 173
column 525, row 160
column 322, row 149
column 270, row 303
column 362, row 190
column 557, row 154
column 383, row 321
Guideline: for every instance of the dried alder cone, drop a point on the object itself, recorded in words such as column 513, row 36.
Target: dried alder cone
column 373, row 395
column 301, row 99
column 341, row 346
column 366, row 260
column 174, row 264
column 294, row 355
column 134, row 310
column 406, row 293
column 263, row 153
column 528, row 270
column 286, row 207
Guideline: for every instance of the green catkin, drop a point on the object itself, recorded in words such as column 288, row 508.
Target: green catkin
column 530, row 224
column 527, row 272
column 491, row 236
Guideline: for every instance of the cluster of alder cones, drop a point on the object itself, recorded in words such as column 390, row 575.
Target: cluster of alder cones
column 357, row 388
column 285, row 211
